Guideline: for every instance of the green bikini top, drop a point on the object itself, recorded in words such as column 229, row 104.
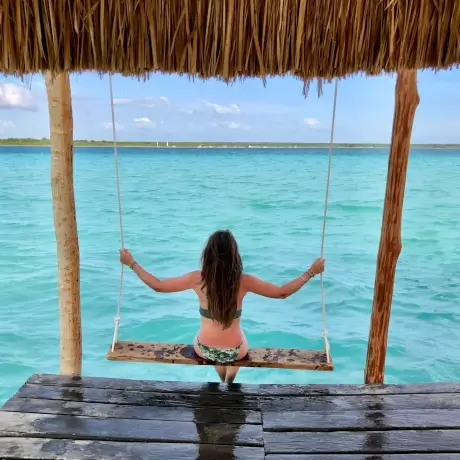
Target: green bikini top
column 207, row 314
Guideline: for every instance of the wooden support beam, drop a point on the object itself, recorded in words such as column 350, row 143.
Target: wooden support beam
column 406, row 102
column 65, row 222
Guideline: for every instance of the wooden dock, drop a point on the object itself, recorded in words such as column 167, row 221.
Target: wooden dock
column 57, row 417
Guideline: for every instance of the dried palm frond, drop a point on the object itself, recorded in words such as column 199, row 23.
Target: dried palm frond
column 229, row 39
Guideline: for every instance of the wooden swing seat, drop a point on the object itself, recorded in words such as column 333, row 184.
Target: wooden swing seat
column 173, row 353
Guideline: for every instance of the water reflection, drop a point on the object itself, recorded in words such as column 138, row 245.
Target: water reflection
column 375, row 441
column 219, row 421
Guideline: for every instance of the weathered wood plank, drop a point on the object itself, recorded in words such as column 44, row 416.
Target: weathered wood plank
column 343, row 390
column 363, row 442
column 102, row 410
column 361, row 420
column 54, row 449
column 173, row 353
column 143, row 385
column 124, row 430
column 416, row 456
column 223, row 388
column 364, row 403
column 138, row 398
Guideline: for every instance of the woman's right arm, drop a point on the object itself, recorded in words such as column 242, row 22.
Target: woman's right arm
column 273, row 291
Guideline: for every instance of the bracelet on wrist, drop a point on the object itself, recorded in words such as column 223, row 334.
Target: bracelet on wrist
column 133, row 265
column 309, row 273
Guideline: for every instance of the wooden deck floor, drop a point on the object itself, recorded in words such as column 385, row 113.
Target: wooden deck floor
column 55, row 417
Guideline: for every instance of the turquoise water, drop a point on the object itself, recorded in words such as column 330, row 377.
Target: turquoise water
column 273, row 201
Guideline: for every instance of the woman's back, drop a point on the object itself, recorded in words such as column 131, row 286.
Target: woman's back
column 220, row 291
column 213, row 332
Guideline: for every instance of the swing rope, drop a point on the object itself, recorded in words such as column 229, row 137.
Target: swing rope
column 326, row 202
column 120, row 215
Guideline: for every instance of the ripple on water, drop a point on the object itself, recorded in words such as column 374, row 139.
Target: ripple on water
column 274, row 204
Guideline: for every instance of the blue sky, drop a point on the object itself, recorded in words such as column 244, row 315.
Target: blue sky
column 170, row 107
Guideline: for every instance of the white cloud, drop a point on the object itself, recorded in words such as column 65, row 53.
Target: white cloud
column 7, row 124
column 164, row 99
column 144, row 121
column 14, row 96
column 109, row 125
column 224, row 109
column 311, row 122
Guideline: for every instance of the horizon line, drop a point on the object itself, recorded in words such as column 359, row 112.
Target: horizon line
column 18, row 141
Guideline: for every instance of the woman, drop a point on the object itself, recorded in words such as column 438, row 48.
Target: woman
column 221, row 286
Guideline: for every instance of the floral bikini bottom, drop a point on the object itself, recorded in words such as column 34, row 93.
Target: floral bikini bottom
column 219, row 355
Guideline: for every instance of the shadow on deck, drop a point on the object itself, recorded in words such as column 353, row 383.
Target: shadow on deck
column 57, row 417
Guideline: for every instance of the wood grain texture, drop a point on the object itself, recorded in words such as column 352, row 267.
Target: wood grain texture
column 406, row 456
column 65, row 222
column 365, row 403
column 138, row 398
column 104, row 410
column 144, row 385
column 363, row 442
column 59, row 449
column 249, row 389
column 406, row 103
column 361, row 420
column 343, row 390
column 123, row 430
column 171, row 353
column 69, row 418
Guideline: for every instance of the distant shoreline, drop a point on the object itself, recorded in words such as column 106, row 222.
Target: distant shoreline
column 246, row 145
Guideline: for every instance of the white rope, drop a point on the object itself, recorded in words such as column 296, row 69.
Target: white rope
column 326, row 202
column 120, row 215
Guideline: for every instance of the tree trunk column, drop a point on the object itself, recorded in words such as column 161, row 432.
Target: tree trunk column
column 65, row 223
column 407, row 99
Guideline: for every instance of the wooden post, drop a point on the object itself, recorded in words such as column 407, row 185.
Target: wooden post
column 65, row 222
column 407, row 99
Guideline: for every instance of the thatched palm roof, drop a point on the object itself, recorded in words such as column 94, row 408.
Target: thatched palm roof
column 229, row 38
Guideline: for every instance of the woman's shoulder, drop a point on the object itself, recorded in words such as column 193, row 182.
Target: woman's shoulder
column 196, row 275
column 193, row 279
column 245, row 277
column 246, row 280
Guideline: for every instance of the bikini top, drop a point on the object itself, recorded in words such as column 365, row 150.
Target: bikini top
column 207, row 314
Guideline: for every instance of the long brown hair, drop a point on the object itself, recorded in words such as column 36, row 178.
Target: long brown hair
column 221, row 271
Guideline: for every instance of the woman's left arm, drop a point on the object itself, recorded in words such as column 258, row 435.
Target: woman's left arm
column 177, row 284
